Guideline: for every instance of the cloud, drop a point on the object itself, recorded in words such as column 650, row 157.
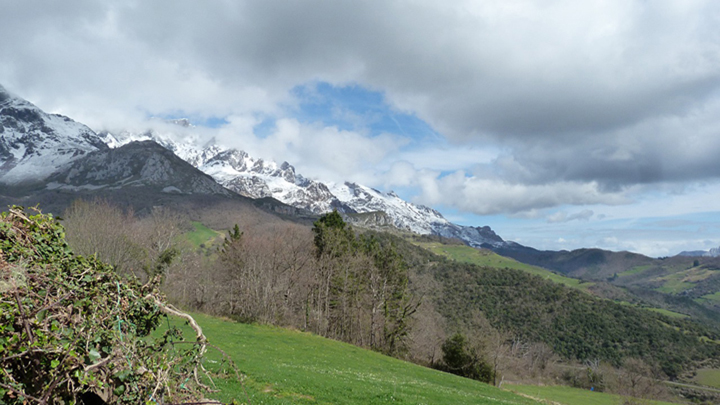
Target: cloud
column 542, row 104
column 562, row 216
column 483, row 196
column 319, row 151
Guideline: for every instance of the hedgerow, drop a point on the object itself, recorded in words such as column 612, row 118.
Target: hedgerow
column 69, row 325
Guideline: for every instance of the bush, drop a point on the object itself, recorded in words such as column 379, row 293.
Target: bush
column 459, row 358
column 69, row 325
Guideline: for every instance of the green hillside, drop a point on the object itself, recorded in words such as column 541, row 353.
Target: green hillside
column 651, row 287
column 487, row 258
column 283, row 366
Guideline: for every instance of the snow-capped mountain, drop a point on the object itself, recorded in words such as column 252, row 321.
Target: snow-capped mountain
column 258, row 178
column 33, row 144
column 137, row 164
column 61, row 154
column 714, row 252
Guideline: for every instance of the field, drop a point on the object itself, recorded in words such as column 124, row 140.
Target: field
column 680, row 281
column 635, row 270
column 708, row 377
column 714, row 297
column 571, row 396
column 201, row 235
column 290, row 367
column 467, row 254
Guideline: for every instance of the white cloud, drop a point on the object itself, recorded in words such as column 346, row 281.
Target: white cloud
column 316, row 151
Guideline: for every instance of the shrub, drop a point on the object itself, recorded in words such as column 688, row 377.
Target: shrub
column 69, row 325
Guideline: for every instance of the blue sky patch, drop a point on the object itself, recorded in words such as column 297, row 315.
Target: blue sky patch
column 356, row 108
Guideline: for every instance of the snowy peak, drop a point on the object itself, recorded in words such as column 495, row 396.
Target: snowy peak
column 405, row 215
column 33, row 144
column 258, row 178
column 186, row 148
column 714, row 252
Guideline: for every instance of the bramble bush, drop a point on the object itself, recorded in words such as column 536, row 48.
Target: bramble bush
column 70, row 325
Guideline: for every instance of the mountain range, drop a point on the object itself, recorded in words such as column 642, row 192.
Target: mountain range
column 714, row 252
column 49, row 152
column 51, row 160
column 256, row 178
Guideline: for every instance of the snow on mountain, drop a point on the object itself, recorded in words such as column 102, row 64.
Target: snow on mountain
column 405, row 215
column 714, row 252
column 186, row 148
column 33, row 144
column 38, row 146
column 258, row 178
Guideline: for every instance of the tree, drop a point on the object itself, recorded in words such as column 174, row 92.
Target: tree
column 361, row 287
column 461, row 359
column 100, row 228
column 332, row 235
column 142, row 247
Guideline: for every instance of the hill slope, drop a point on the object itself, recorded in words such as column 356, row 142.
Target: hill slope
column 285, row 366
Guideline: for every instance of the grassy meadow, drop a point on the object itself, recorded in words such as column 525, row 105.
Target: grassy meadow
column 201, row 235
column 282, row 366
column 560, row 395
column 708, row 377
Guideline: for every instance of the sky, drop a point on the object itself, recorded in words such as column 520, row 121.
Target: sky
column 561, row 124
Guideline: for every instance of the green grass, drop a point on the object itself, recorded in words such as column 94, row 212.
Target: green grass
column 486, row 258
column 635, row 270
column 667, row 312
column 571, row 396
column 709, row 377
column 201, row 234
column 714, row 297
column 290, row 367
column 675, row 287
column 680, row 281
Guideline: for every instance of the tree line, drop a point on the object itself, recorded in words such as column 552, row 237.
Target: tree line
column 326, row 280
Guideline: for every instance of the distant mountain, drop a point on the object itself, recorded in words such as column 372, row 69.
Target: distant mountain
column 258, row 178
column 714, row 252
column 589, row 264
column 33, row 143
column 52, row 160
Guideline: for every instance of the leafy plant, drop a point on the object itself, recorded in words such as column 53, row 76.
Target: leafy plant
column 70, row 325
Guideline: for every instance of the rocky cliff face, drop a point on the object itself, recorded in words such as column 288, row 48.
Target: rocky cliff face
column 137, row 164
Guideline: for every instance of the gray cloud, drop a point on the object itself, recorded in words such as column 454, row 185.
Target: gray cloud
column 562, row 216
column 586, row 99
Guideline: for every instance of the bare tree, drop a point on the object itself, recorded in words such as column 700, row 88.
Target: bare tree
column 100, row 228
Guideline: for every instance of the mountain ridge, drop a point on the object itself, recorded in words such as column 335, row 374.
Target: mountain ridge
column 258, row 178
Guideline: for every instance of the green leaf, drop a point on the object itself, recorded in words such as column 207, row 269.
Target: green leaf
column 54, row 363
column 94, row 355
column 123, row 375
column 119, row 390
